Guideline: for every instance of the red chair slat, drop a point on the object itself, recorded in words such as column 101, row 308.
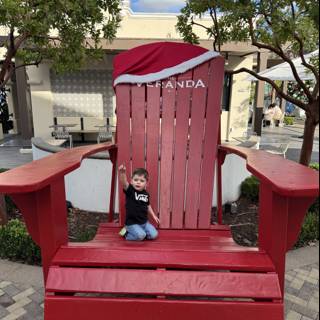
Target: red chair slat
column 152, row 143
column 183, row 259
column 211, row 134
column 123, row 136
column 198, row 109
column 80, row 308
column 164, row 282
column 166, row 155
column 138, row 126
column 180, row 151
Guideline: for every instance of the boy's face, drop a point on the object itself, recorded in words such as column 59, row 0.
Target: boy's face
column 139, row 182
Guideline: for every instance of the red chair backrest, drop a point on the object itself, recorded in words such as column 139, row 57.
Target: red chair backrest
column 171, row 128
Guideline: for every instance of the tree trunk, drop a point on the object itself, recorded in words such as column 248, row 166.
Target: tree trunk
column 312, row 120
column 3, row 210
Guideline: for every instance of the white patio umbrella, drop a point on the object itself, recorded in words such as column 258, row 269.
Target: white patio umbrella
column 283, row 70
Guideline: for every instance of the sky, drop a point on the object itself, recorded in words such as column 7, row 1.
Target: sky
column 157, row 5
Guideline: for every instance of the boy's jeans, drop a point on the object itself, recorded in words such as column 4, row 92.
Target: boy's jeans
column 138, row 232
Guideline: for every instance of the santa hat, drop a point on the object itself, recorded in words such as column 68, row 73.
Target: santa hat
column 157, row 61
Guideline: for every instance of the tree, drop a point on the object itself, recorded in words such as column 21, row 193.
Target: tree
column 287, row 28
column 66, row 32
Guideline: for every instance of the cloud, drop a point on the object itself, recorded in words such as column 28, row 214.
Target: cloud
column 158, row 5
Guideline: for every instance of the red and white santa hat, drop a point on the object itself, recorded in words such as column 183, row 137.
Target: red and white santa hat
column 157, row 61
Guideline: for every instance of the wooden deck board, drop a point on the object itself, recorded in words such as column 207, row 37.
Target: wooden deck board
column 164, row 282
column 188, row 249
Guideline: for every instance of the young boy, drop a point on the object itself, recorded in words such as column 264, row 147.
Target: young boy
column 138, row 206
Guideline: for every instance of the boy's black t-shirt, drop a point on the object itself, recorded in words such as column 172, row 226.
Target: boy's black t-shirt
column 136, row 206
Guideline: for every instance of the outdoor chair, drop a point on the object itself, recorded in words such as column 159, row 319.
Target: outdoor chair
column 194, row 270
column 104, row 133
column 251, row 141
column 63, row 135
column 279, row 150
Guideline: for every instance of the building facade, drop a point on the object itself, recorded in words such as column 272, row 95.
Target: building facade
column 88, row 94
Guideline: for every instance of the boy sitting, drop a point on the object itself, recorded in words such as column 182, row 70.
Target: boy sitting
column 137, row 227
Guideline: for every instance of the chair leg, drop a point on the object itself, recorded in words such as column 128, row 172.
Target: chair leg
column 71, row 142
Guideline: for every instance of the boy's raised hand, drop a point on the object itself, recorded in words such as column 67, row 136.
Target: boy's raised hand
column 122, row 168
column 123, row 176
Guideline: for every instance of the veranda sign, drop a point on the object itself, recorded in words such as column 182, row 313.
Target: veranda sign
column 173, row 84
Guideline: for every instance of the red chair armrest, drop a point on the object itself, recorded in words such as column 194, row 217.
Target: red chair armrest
column 285, row 177
column 40, row 173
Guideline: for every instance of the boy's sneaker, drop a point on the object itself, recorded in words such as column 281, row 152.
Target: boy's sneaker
column 123, row 232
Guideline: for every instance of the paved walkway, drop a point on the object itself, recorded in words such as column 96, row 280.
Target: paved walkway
column 10, row 155
column 292, row 134
column 21, row 288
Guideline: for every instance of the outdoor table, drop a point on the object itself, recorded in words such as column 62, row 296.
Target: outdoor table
column 63, row 126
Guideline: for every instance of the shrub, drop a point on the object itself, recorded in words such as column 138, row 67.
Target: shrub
column 315, row 206
column 314, row 166
column 85, row 235
column 289, row 121
column 17, row 245
column 250, row 188
column 310, row 227
column 310, row 230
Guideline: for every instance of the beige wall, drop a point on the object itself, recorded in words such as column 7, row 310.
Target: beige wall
column 239, row 111
column 154, row 26
column 42, row 100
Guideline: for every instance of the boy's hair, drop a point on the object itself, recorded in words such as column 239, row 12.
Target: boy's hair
column 141, row 172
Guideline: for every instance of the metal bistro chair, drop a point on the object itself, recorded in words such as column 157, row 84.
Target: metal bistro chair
column 104, row 133
column 281, row 150
column 249, row 140
column 63, row 134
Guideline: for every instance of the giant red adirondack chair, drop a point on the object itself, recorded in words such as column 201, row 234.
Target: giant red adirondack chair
column 194, row 270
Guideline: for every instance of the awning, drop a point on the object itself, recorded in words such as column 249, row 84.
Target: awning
column 283, row 71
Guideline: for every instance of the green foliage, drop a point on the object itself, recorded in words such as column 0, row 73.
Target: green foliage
column 289, row 121
column 275, row 23
column 16, row 244
column 286, row 28
column 295, row 91
column 310, row 229
column 314, row 166
column 250, row 188
column 59, row 30
column 85, row 235
column 315, row 206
